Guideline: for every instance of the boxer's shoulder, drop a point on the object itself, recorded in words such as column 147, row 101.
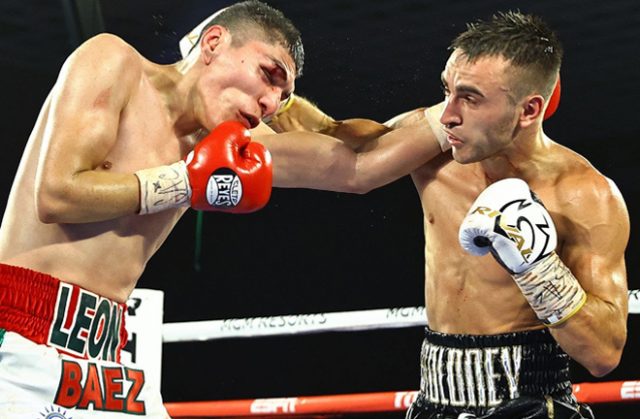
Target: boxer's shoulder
column 408, row 118
column 105, row 56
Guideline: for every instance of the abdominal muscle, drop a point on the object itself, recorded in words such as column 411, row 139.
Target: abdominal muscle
column 464, row 294
column 106, row 257
column 468, row 294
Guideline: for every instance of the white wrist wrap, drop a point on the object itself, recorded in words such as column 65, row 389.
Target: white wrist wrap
column 164, row 187
column 551, row 290
column 433, row 118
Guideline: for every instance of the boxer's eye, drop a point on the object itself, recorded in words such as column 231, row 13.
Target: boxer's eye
column 267, row 74
column 470, row 99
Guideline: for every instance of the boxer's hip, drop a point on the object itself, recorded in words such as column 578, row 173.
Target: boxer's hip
column 478, row 374
column 36, row 380
column 48, row 311
column 60, row 353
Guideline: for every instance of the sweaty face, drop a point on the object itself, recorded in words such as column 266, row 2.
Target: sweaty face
column 246, row 83
column 480, row 115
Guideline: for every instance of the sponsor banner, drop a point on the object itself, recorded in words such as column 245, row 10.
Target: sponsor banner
column 295, row 324
column 388, row 318
column 606, row 392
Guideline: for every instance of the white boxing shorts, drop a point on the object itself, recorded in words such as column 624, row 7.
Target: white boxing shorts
column 60, row 353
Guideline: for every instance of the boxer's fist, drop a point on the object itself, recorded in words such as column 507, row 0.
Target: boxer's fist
column 224, row 172
column 509, row 220
column 227, row 172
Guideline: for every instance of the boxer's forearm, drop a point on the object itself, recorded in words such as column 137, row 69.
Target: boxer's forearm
column 316, row 161
column 302, row 115
column 595, row 335
column 357, row 133
column 88, row 196
column 299, row 114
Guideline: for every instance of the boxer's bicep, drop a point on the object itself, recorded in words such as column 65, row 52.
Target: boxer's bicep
column 93, row 88
column 396, row 154
column 82, row 125
column 595, row 250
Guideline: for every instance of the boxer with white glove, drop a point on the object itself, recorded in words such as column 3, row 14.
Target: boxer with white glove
column 224, row 172
column 508, row 220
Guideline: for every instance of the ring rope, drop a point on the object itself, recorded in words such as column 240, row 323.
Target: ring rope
column 592, row 393
column 294, row 324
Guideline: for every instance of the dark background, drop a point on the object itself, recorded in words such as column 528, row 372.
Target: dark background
column 313, row 251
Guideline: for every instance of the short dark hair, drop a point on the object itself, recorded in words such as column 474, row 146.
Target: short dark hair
column 524, row 40
column 253, row 19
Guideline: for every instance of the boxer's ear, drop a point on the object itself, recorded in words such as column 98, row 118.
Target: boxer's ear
column 532, row 107
column 211, row 40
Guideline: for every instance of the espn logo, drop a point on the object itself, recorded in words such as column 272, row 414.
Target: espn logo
column 404, row 399
column 277, row 405
column 630, row 390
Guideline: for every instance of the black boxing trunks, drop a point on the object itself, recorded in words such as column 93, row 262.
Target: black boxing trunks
column 60, row 353
column 514, row 375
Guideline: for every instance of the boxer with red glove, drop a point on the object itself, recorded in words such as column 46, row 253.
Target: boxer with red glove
column 224, row 172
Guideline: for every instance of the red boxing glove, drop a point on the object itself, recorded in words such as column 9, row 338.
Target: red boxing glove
column 227, row 172
column 224, row 172
column 554, row 101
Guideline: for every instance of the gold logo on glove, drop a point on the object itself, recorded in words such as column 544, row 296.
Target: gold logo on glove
column 512, row 233
column 486, row 211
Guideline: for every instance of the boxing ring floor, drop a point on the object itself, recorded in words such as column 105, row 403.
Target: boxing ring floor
column 390, row 324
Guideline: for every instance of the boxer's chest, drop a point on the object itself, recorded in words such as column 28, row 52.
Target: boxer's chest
column 448, row 190
column 145, row 136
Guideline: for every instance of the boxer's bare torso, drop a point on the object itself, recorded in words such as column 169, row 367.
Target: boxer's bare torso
column 71, row 211
column 106, row 257
column 475, row 295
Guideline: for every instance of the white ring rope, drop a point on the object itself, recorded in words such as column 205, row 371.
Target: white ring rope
column 388, row 318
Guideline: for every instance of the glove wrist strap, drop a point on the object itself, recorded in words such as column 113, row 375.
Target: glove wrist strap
column 164, row 187
column 551, row 290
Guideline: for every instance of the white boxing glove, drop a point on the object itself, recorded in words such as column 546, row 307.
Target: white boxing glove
column 508, row 220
